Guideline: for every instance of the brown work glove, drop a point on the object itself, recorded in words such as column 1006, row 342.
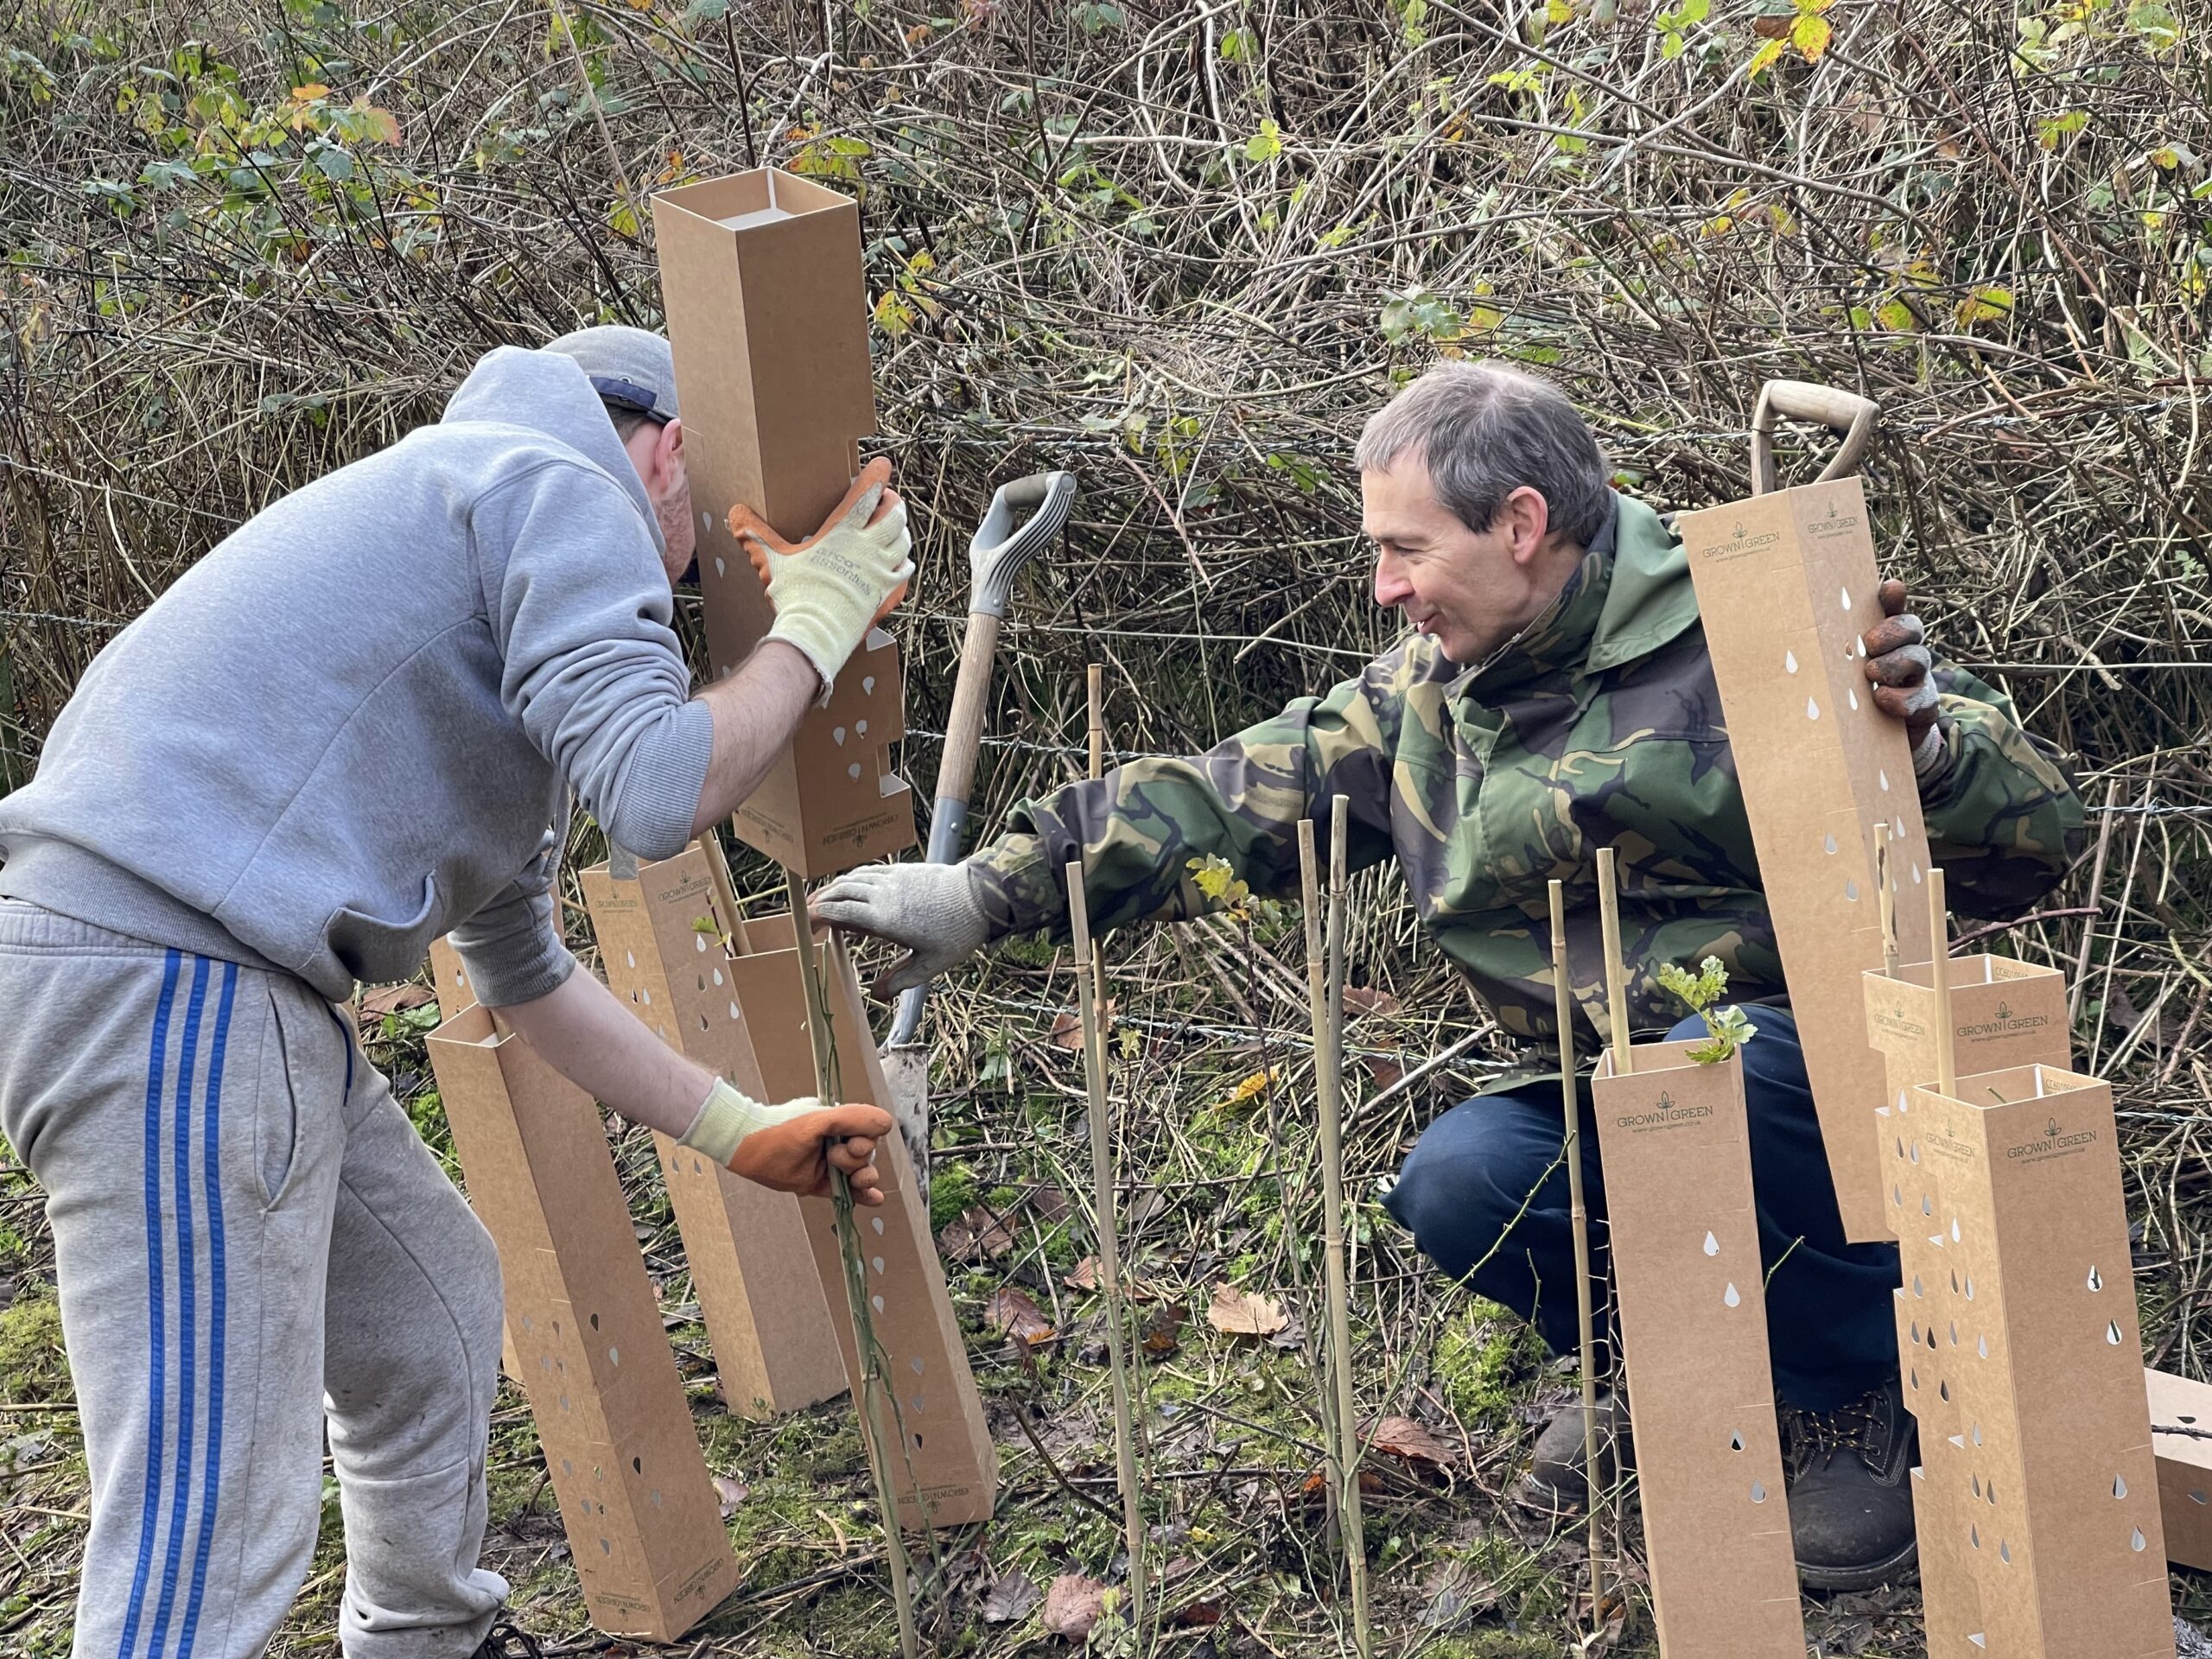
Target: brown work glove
column 791, row 1148
column 1902, row 671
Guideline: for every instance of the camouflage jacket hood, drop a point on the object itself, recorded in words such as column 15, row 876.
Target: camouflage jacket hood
column 1598, row 725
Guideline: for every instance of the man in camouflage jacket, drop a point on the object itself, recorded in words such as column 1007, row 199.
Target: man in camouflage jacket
column 1588, row 718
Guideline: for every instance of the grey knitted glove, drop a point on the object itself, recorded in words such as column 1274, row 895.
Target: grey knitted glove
column 931, row 909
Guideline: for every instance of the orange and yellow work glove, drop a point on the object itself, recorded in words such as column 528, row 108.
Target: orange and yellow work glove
column 831, row 589
column 794, row 1146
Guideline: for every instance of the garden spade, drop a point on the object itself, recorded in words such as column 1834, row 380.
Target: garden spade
column 1024, row 515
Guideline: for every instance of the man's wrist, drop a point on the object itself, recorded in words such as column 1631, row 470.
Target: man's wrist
column 728, row 1115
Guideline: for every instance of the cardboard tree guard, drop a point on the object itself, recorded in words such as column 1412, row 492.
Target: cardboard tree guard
column 945, row 1468
column 1786, row 587
column 2038, row 1352
column 2004, row 1013
column 774, row 1347
column 2181, row 1436
column 643, row 1527
column 746, row 1008
column 768, row 318
column 1685, row 1248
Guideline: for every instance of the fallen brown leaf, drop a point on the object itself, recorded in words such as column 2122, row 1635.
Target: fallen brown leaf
column 1365, row 999
column 977, row 1235
column 1163, row 1328
column 392, row 999
column 1010, row 1598
column 1200, row 1613
column 1243, row 1314
column 731, row 1494
column 1403, row 1437
column 1073, row 1604
column 1084, row 1276
column 1066, row 1033
column 1012, row 1311
column 1382, row 1070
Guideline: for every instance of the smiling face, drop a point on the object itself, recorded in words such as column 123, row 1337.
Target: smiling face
column 1470, row 590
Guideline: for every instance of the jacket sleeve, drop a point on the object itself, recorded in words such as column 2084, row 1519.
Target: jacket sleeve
column 1137, row 828
column 510, row 947
column 580, row 608
column 2004, row 820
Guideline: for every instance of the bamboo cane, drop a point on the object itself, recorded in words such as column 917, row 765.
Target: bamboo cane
column 868, row 1386
column 1609, row 919
column 1324, row 984
column 1887, row 899
column 1579, row 1215
column 1939, row 981
column 1107, row 1229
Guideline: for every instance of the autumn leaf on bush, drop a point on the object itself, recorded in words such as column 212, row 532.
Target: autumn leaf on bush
column 1243, row 1313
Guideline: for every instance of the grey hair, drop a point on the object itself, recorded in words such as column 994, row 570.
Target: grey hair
column 1486, row 431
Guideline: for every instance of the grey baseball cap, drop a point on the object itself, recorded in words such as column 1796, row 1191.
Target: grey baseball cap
column 629, row 368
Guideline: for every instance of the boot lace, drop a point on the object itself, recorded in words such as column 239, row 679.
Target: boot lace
column 505, row 1641
column 1866, row 1429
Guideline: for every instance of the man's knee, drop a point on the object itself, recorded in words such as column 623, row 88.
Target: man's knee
column 1468, row 1177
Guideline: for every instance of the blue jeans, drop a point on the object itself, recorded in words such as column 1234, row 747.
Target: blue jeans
column 1485, row 1197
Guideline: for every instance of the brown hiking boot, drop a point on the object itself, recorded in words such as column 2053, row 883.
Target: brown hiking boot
column 1849, row 1473
column 1555, row 1481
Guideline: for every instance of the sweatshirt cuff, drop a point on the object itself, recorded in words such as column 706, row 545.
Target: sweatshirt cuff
column 658, row 804
column 501, row 984
column 1015, row 891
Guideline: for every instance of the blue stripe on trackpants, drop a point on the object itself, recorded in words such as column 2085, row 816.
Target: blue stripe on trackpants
column 211, row 1174
column 157, row 1339
column 188, row 1323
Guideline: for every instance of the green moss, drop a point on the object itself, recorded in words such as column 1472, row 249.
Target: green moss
column 33, row 1366
column 1491, row 1644
column 1483, row 1359
column 952, row 1190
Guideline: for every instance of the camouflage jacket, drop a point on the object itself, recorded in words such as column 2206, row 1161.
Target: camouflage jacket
column 1600, row 723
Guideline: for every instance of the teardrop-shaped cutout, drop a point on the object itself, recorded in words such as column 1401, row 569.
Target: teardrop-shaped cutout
column 1969, row 1287
column 1954, row 1333
column 1789, row 661
column 1853, row 696
column 2096, row 1280
column 1882, row 777
column 1916, row 1333
column 1981, row 1347
column 1973, row 1536
column 1977, row 1433
column 1917, row 1290
column 1732, row 1299
column 1897, row 1196
column 2112, row 1333
column 1735, row 1442
column 1991, row 1492
column 1712, row 1245
column 1846, row 593
column 2120, row 1486
column 1758, row 1496
column 1954, row 1230
column 2138, row 1543
column 1977, row 1485
column 2004, row 1552
column 1812, row 709
column 1828, row 846
column 1851, row 889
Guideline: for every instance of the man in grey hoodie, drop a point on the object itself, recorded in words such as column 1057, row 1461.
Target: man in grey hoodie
column 356, row 724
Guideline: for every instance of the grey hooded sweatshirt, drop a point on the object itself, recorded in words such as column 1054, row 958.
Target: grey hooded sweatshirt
column 355, row 724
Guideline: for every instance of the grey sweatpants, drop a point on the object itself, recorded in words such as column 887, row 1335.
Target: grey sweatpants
column 251, row 1240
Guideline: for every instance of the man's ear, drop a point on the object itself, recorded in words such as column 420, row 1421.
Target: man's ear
column 1527, row 517
column 668, row 453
